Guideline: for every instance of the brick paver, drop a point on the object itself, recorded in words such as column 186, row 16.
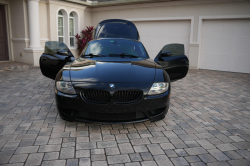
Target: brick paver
column 208, row 123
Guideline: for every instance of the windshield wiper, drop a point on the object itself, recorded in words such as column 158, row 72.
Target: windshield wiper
column 92, row 55
column 123, row 55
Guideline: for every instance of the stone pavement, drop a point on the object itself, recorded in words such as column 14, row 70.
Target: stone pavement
column 208, row 124
column 7, row 66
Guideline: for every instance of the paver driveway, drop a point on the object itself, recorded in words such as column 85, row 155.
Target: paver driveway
column 208, row 123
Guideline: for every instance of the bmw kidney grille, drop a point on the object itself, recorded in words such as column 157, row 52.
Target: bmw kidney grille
column 119, row 97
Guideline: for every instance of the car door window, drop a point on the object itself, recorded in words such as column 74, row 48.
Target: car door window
column 51, row 47
column 175, row 49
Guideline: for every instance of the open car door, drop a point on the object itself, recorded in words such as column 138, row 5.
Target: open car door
column 173, row 59
column 56, row 55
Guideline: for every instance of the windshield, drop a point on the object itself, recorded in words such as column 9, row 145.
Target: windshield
column 112, row 47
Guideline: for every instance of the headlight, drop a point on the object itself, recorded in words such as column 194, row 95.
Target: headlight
column 158, row 88
column 65, row 87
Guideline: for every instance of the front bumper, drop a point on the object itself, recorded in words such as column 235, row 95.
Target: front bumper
column 74, row 108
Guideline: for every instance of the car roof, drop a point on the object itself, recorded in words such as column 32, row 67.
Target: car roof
column 116, row 28
column 115, row 39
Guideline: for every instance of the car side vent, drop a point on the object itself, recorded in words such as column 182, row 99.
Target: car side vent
column 127, row 96
column 96, row 96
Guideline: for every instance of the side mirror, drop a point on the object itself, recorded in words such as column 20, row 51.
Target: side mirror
column 166, row 54
column 62, row 52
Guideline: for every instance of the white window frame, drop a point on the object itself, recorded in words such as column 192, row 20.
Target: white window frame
column 61, row 16
column 70, row 17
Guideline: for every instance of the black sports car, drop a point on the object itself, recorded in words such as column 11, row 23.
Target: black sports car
column 113, row 80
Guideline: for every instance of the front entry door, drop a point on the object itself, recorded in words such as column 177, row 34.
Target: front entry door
column 4, row 56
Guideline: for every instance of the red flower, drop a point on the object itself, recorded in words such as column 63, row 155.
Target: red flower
column 83, row 39
column 77, row 36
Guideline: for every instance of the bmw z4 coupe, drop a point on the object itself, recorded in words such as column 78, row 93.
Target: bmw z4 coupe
column 113, row 80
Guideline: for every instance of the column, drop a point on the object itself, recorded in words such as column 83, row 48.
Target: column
column 34, row 28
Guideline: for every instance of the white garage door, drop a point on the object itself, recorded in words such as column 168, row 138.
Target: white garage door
column 155, row 34
column 226, row 45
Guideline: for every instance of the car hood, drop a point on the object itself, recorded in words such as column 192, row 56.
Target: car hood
column 88, row 70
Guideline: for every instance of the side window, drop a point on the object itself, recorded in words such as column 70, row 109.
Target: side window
column 175, row 48
column 68, row 27
column 60, row 27
column 51, row 47
column 72, row 29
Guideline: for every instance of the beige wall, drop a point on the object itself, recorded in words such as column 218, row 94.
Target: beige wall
column 87, row 18
column 19, row 26
column 19, row 31
column 174, row 9
column 171, row 9
column 43, row 16
column 53, row 8
column 18, row 18
column 48, row 19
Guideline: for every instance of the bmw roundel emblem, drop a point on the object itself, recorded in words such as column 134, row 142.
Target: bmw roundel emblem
column 111, row 85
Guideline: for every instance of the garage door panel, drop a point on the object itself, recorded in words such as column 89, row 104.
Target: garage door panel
column 225, row 28
column 140, row 28
column 152, row 53
column 233, row 63
column 244, row 28
column 145, row 29
column 222, row 62
column 209, row 45
column 160, row 28
column 241, row 46
column 184, row 28
column 244, row 46
column 156, row 34
column 147, row 42
column 171, row 28
column 240, row 64
column 243, row 64
column 159, row 41
column 208, row 61
column 177, row 28
column 236, row 48
column 226, row 45
column 171, row 39
column 210, row 28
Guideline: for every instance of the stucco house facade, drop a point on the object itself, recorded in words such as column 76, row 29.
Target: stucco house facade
column 216, row 33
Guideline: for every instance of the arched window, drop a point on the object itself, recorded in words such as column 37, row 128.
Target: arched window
column 72, row 29
column 60, row 27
